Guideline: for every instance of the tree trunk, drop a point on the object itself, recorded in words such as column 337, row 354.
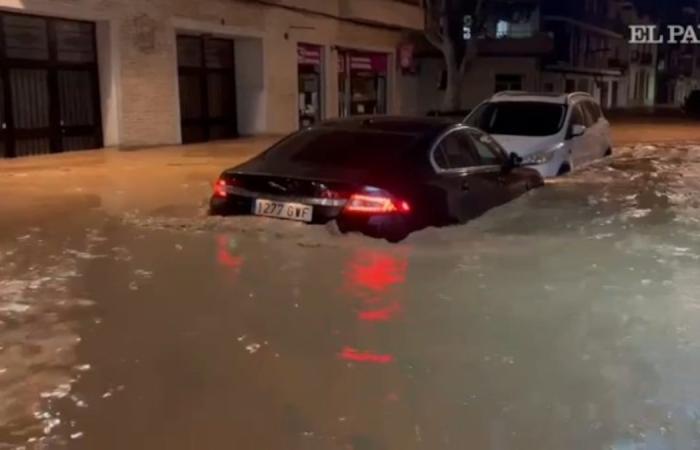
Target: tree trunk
column 453, row 90
column 456, row 69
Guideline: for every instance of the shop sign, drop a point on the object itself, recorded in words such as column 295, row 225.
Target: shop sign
column 373, row 62
column 309, row 55
column 406, row 56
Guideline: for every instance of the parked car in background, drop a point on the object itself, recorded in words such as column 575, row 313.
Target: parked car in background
column 555, row 133
column 382, row 176
column 692, row 104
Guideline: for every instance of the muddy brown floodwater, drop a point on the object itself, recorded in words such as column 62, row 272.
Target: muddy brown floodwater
column 568, row 319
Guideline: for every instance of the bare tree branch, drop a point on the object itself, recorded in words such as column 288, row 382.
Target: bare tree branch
column 479, row 16
column 432, row 17
column 435, row 40
column 443, row 29
column 471, row 49
column 470, row 54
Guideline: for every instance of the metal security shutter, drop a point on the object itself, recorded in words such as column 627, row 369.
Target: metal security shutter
column 207, row 84
column 50, row 91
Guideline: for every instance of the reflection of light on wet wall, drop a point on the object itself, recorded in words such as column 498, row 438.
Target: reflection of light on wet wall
column 373, row 276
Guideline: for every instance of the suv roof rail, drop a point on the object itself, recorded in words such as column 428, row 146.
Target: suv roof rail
column 503, row 93
column 571, row 95
column 560, row 95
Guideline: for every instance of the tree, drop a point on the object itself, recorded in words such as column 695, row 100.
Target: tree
column 445, row 23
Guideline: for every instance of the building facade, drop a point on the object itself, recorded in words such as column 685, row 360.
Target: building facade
column 509, row 54
column 553, row 46
column 91, row 73
column 641, row 61
column 591, row 51
column 679, row 64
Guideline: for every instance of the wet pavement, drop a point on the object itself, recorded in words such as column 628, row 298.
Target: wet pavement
column 569, row 319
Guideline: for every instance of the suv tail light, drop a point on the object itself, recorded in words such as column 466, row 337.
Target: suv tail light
column 376, row 204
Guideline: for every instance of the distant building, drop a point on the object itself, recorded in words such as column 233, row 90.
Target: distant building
column 643, row 59
column 589, row 51
column 510, row 55
column 552, row 46
column 679, row 64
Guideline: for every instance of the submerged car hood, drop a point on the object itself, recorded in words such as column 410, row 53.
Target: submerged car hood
column 526, row 145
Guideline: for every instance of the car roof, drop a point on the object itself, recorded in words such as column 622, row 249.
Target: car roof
column 419, row 126
column 541, row 97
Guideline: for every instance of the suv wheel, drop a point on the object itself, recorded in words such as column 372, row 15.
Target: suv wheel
column 564, row 169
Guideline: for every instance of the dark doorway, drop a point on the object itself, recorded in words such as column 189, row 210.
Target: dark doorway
column 570, row 86
column 604, row 92
column 207, row 78
column 505, row 82
column 310, row 70
column 49, row 88
column 614, row 94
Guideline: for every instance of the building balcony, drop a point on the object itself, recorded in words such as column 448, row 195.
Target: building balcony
column 538, row 45
column 687, row 51
column 682, row 68
column 617, row 63
column 643, row 58
column 401, row 14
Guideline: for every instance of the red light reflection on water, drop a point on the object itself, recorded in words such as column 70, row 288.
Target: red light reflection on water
column 380, row 315
column 224, row 255
column 376, row 271
column 374, row 277
column 354, row 355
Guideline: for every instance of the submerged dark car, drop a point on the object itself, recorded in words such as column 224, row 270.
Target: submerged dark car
column 383, row 176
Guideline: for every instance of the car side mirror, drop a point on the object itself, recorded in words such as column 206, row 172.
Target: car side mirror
column 578, row 130
column 513, row 161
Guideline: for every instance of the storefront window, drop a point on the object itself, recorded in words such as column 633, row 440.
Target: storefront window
column 363, row 87
column 310, row 86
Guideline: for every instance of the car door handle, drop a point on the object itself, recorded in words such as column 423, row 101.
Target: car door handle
column 465, row 185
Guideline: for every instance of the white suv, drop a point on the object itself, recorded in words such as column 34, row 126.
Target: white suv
column 553, row 133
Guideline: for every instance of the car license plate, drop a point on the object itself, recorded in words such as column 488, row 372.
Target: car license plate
column 283, row 210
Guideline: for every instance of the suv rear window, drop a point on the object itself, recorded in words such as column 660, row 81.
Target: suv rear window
column 519, row 118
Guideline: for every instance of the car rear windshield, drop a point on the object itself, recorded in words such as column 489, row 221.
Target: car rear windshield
column 328, row 147
column 519, row 118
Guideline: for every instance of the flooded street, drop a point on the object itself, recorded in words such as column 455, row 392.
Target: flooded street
column 568, row 319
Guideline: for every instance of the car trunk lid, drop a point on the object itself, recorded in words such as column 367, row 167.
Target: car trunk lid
column 292, row 187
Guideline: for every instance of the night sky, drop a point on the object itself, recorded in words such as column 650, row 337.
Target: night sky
column 665, row 10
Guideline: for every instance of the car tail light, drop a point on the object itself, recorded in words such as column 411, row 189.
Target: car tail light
column 376, row 204
column 220, row 188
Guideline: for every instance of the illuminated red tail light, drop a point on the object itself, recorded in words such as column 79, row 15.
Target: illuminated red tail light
column 371, row 204
column 220, row 188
